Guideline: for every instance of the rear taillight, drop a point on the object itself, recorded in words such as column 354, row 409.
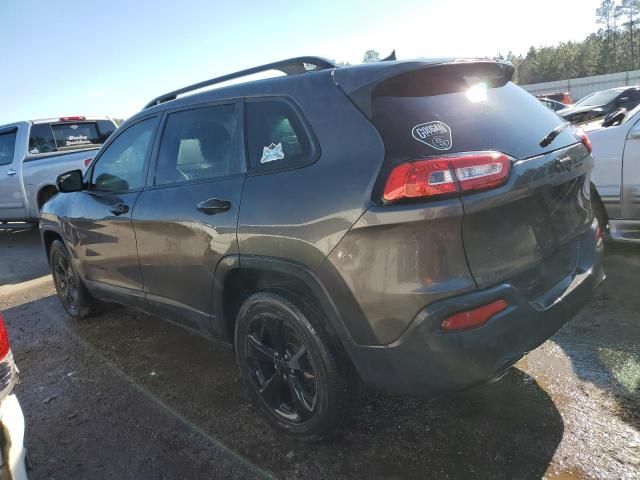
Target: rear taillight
column 473, row 318
column 4, row 339
column 87, row 162
column 72, row 119
column 585, row 141
column 447, row 175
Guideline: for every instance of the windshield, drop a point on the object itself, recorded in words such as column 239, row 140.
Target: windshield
column 598, row 98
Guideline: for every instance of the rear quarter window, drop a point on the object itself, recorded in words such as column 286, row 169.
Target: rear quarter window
column 276, row 136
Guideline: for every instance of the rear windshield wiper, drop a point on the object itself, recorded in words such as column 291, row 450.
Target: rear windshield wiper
column 551, row 136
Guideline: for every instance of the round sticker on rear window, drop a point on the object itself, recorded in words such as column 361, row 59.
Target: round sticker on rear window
column 435, row 134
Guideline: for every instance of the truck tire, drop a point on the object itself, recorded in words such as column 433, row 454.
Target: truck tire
column 291, row 369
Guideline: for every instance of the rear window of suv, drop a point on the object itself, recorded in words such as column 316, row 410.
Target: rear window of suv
column 63, row 136
column 461, row 108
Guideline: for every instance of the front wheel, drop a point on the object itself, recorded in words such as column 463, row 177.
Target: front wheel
column 289, row 365
column 71, row 292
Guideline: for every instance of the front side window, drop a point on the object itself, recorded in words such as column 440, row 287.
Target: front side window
column 275, row 135
column 121, row 166
column 7, row 146
column 198, row 144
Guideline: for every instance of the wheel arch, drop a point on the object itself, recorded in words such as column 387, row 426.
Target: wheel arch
column 599, row 207
column 237, row 277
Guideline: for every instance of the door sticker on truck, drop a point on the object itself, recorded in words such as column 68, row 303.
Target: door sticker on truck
column 435, row 134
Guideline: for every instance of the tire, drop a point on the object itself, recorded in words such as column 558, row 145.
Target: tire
column 599, row 213
column 291, row 368
column 72, row 293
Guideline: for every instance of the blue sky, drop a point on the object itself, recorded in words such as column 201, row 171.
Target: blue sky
column 110, row 57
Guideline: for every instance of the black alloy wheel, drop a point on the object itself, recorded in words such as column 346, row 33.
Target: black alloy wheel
column 282, row 371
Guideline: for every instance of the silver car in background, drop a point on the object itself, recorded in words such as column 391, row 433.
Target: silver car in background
column 33, row 154
column 616, row 173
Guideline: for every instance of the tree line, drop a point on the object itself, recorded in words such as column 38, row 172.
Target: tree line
column 615, row 47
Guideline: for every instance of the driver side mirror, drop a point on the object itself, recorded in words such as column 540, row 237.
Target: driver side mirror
column 614, row 118
column 70, row 181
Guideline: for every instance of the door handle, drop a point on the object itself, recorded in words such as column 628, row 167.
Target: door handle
column 119, row 209
column 11, row 172
column 213, row 205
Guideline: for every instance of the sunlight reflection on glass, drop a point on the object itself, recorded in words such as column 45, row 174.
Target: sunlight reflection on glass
column 477, row 93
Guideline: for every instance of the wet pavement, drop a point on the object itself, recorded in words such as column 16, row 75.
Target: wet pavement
column 125, row 395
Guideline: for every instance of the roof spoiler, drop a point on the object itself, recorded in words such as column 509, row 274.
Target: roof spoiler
column 359, row 83
column 291, row 66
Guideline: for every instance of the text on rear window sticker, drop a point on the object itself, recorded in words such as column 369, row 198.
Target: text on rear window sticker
column 272, row 152
column 435, row 134
column 77, row 140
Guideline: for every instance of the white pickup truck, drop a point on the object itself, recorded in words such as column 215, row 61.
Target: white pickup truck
column 616, row 173
column 33, row 154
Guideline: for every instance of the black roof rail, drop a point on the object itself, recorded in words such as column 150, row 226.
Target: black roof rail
column 291, row 66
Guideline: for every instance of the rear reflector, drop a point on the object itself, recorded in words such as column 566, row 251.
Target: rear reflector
column 4, row 339
column 473, row 318
column 72, row 119
column 447, row 175
column 87, row 162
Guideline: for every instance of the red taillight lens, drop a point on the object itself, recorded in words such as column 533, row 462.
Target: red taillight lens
column 87, row 162
column 447, row 175
column 585, row 141
column 473, row 318
column 4, row 339
column 72, row 119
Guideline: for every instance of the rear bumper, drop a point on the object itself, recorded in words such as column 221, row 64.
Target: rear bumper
column 13, row 452
column 425, row 359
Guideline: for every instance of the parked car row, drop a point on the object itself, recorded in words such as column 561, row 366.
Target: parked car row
column 413, row 226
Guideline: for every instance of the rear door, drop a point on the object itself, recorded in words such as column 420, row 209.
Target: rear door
column 101, row 227
column 185, row 221
column 11, row 197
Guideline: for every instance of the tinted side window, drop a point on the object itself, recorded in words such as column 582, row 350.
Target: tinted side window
column 275, row 135
column 7, row 146
column 121, row 165
column 198, row 144
column 41, row 139
column 105, row 129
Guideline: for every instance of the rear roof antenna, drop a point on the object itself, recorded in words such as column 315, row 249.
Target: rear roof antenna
column 392, row 56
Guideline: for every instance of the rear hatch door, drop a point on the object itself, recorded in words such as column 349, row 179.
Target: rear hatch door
column 526, row 229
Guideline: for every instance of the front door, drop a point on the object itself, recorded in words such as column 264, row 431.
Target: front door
column 102, row 233
column 11, row 203
column 186, row 220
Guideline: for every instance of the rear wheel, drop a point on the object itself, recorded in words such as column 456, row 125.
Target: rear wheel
column 73, row 295
column 290, row 367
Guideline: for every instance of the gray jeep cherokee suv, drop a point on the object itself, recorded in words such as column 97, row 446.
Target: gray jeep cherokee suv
column 415, row 226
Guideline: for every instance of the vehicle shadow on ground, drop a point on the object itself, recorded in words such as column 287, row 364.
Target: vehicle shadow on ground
column 603, row 342
column 17, row 262
column 506, row 429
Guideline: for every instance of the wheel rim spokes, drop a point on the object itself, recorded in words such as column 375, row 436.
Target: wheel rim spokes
column 282, row 370
column 66, row 281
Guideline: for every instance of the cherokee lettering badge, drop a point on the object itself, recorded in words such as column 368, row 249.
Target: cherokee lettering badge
column 435, row 134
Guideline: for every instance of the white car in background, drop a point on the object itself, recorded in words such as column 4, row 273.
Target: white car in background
column 12, row 451
column 616, row 173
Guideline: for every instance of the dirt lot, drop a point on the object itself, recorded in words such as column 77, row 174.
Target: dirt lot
column 125, row 395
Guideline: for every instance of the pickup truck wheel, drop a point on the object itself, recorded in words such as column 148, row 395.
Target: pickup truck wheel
column 71, row 292
column 287, row 362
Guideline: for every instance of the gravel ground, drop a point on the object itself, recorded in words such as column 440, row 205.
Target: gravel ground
column 125, row 395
